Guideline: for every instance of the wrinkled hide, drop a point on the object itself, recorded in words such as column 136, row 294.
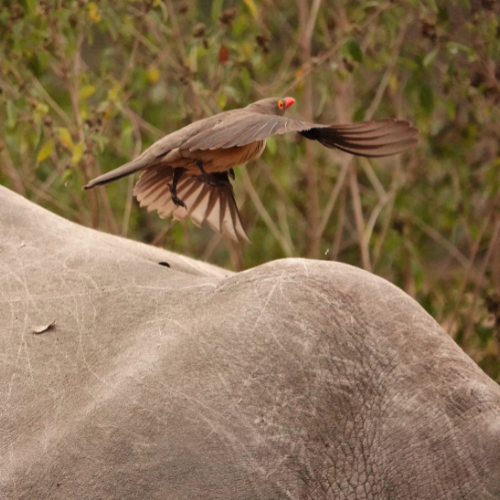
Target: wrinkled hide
column 295, row 380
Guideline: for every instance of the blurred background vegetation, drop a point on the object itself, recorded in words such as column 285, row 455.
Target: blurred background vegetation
column 87, row 85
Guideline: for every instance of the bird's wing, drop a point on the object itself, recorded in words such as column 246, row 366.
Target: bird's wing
column 215, row 205
column 373, row 138
column 241, row 128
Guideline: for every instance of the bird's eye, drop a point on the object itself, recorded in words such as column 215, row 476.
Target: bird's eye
column 280, row 104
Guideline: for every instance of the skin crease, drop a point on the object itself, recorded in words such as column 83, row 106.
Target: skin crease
column 294, row 380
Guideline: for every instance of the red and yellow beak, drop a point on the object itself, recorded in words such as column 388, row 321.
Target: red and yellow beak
column 288, row 101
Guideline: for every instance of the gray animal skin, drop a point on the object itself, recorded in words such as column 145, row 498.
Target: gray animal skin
column 297, row 380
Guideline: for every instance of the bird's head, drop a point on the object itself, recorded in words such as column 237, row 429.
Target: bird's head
column 272, row 105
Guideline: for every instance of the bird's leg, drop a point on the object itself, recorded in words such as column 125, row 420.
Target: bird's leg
column 173, row 187
column 213, row 180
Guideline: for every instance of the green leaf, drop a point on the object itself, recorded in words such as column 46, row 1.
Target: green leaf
column 164, row 12
column 246, row 78
column 192, row 59
column 232, row 92
column 354, row 50
column 77, row 153
column 45, row 152
column 31, row 4
column 430, row 57
column 11, row 115
column 222, row 100
column 271, row 145
column 426, row 98
column 416, row 267
column 216, row 10
column 251, row 7
column 101, row 141
column 103, row 106
column 65, row 137
column 410, row 63
column 432, row 5
column 450, row 110
column 454, row 48
column 359, row 114
column 66, row 174
column 41, row 109
column 484, row 333
column 115, row 91
column 86, row 92
column 126, row 138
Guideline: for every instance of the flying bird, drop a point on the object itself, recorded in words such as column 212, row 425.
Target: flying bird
column 187, row 173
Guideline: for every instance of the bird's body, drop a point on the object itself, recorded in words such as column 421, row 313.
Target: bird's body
column 213, row 160
column 186, row 173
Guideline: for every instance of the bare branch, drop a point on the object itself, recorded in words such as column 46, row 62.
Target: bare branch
column 285, row 245
column 387, row 75
column 358, row 215
column 334, row 194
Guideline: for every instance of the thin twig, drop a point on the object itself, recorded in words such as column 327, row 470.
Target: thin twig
column 358, row 216
column 339, row 184
column 159, row 238
column 177, row 30
column 472, row 309
column 439, row 238
column 386, row 224
column 311, row 22
column 53, row 201
column 374, row 216
column 65, row 118
column 287, row 249
column 337, row 240
column 210, row 248
column 130, row 187
column 307, row 19
column 143, row 124
column 387, row 75
column 280, row 191
column 283, row 220
column 130, row 63
column 372, row 176
column 325, row 56
column 11, row 171
column 475, row 250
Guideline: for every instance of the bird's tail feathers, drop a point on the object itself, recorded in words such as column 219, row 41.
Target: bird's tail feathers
column 215, row 205
column 127, row 169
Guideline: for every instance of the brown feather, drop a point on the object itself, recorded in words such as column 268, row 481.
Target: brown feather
column 215, row 205
column 372, row 139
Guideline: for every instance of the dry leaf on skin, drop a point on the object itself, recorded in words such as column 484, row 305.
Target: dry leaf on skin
column 41, row 329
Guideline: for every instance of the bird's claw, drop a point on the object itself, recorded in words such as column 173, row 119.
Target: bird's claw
column 177, row 201
column 214, row 180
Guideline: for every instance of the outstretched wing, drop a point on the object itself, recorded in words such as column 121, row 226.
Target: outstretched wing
column 373, row 138
column 215, row 205
column 239, row 129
